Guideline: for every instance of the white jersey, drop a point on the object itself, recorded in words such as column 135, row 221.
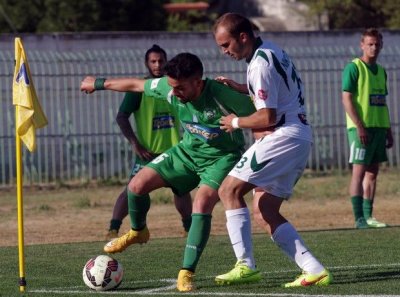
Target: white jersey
column 273, row 82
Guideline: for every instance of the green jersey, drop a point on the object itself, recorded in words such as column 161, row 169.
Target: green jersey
column 367, row 83
column 157, row 126
column 200, row 119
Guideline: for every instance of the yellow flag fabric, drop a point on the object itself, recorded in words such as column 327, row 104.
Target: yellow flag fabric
column 29, row 113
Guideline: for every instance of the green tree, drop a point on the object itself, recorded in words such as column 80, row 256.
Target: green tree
column 81, row 15
column 348, row 14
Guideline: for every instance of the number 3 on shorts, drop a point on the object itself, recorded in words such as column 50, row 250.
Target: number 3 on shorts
column 160, row 158
column 240, row 164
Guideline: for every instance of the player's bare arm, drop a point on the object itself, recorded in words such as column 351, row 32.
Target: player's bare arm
column 261, row 119
column 90, row 84
column 126, row 129
column 347, row 101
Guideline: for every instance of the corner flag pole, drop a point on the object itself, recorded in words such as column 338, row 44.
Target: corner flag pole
column 20, row 204
column 21, row 257
column 29, row 116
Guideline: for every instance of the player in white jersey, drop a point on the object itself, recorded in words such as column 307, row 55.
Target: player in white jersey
column 273, row 164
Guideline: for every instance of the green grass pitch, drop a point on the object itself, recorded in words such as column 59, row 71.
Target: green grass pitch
column 363, row 262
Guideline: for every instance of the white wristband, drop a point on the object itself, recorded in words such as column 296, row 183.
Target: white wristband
column 235, row 123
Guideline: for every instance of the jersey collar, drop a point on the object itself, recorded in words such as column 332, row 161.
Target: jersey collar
column 257, row 44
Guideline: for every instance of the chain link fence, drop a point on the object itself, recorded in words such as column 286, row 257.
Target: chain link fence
column 82, row 141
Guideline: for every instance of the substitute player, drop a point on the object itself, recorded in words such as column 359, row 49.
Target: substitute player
column 274, row 163
column 201, row 160
column 368, row 125
column 157, row 130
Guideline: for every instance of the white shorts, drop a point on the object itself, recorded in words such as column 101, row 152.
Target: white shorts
column 274, row 163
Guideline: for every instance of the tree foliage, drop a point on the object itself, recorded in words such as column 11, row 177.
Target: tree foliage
column 348, row 14
column 81, row 15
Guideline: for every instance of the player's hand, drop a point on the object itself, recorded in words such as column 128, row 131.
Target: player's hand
column 226, row 122
column 363, row 135
column 389, row 139
column 242, row 88
column 224, row 80
column 87, row 84
column 143, row 153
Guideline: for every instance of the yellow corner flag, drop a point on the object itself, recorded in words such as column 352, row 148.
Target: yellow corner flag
column 29, row 116
column 29, row 113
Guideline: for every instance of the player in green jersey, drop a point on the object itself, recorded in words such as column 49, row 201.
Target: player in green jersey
column 157, row 130
column 201, row 160
column 368, row 123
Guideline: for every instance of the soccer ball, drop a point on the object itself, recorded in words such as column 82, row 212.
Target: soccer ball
column 102, row 273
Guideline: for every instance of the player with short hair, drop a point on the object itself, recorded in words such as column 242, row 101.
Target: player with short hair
column 274, row 163
column 201, row 160
column 368, row 125
column 157, row 128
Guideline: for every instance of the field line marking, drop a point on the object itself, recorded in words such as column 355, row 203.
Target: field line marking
column 172, row 285
column 203, row 294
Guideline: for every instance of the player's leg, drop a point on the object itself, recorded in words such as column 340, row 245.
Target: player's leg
column 145, row 181
column 369, row 187
column 356, row 194
column 377, row 150
column 120, row 211
column 267, row 214
column 238, row 223
column 211, row 176
column 359, row 158
column 183, row 204
column 285, row 168
column 203, row 204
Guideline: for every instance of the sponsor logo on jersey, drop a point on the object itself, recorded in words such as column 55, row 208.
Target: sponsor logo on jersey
column 154, row 83
column 262, row 94
column 163, row 122
column 205, row 133
column 377, row 100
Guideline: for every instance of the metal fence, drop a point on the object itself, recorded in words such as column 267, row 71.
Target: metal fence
column 82, row 141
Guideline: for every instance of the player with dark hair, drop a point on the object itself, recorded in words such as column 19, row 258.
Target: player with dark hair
column 274, row 163
column 157, row 129
column 201, row 160
column 368, row 125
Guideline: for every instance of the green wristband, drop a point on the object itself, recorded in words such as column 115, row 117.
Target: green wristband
column 99, row 84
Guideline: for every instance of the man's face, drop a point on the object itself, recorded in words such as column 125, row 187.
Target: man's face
column 371, row 47
column 230, row 46
column 155, row 64
column 187, row 89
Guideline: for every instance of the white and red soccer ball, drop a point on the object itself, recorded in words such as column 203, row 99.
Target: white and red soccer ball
column 102, row 273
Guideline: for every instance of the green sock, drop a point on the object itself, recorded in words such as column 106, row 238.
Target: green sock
column 197, row 239
column 367, row 208
column 186, row 222
column 115, row 224
column 138, row 208
column 357, row 202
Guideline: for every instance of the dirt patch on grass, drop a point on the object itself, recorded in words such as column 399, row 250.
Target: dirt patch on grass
column 82, row 215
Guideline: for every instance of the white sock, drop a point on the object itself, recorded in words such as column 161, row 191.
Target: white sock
column 287, row 238
column 238, row 223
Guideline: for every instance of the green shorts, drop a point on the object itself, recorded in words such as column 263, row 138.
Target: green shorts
column 373, row 152
column 137, row 165
column 184, row 173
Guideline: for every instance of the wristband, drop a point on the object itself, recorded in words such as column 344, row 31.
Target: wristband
column 235, row 123
column 99, row 84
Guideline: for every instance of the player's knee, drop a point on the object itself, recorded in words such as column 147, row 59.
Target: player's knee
column 137, row 186
column 225, row 191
